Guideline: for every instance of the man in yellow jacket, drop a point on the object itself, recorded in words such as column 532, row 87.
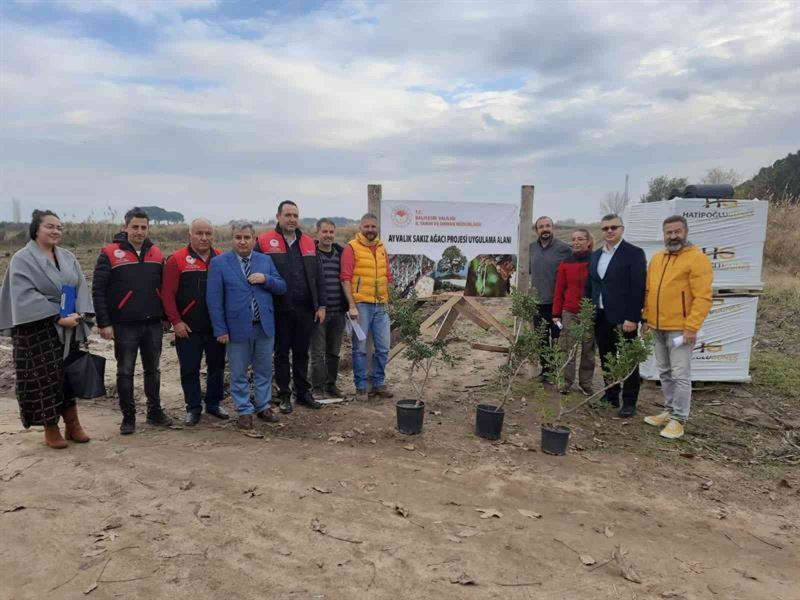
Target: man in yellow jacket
column 677, row 301
column 366, row 277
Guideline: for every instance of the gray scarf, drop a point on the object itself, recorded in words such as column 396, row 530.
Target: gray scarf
column 32, row 291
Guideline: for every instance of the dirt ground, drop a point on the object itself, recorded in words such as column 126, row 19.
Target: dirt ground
column 336, row 504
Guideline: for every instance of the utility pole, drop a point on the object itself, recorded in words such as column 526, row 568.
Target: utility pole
column 626, row 189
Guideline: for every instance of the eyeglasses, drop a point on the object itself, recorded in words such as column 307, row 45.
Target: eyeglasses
column 611, row 227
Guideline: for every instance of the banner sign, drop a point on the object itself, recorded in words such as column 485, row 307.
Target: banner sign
column 429, row 228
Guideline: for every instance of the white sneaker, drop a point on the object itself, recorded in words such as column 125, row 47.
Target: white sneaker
column 658, row 420
column 673, row 430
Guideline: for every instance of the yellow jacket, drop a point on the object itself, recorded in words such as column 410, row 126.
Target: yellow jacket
column 678, row 291
column 370, row 282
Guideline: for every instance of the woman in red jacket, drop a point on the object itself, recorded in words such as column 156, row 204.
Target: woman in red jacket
column 570, row 283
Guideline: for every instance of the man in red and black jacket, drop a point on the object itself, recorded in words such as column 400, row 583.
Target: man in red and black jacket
column 303, row 304
column 126, row 290
column 184, row 297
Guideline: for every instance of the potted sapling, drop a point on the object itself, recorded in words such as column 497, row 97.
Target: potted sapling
column 555, row 435
column 421, row 355
column 619, row 366
column 524, row 350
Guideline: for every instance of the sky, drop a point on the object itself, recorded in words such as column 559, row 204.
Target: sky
column 223, row 108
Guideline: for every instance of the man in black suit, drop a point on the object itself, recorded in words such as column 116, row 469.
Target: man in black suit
column 616, row 284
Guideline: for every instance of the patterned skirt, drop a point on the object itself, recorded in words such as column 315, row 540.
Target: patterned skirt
column 38, row 358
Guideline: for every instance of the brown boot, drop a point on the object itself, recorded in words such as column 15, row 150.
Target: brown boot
column 72, row 426
column 52, row 437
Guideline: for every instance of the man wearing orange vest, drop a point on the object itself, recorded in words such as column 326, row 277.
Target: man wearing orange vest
column 366, row 277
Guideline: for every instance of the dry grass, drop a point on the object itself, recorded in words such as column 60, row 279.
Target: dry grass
column 13, row 237
column 783, row 232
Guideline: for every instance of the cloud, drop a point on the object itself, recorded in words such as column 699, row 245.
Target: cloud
column 437, row 103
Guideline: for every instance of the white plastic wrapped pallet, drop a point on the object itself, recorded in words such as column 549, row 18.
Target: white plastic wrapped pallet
column 730, row 232
column 723, row 352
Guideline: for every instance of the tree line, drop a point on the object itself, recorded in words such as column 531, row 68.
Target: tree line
column 779, row 183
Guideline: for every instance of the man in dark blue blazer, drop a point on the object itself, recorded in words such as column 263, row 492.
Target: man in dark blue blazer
column 239, row 297
column 616, row 282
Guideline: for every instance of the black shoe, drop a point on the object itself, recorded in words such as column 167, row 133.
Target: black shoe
column 309, row 401
column 611, row 401
column 285, row 405
column 217, row 411
column 191, row 419
column 128, row 425
column 627, row 411
column 159, row 419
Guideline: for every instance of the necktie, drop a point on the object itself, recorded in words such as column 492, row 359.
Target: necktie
column 254, row 304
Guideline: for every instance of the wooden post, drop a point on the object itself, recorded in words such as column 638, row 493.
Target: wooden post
column 374, row 196
column 525, row 238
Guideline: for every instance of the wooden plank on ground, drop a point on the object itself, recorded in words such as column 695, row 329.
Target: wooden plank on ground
column 395, row 351
column 489, row 347
column 487, row 316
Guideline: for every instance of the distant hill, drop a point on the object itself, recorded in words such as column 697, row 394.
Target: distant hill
column 778, row 183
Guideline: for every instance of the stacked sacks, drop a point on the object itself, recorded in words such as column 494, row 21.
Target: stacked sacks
column 730, row 232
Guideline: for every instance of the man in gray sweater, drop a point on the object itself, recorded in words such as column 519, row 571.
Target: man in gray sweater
column 546, row 254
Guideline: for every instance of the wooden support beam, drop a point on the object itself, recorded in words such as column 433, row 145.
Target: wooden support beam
column 489, row 347
column 374, row 197
column 487, row 316
column 470, row 313
column 440, row 312
column 395, row 351
column 447, row 323
column 525, row 238
column 427, row 324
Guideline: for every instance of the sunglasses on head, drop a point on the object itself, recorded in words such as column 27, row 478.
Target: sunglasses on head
column 611, row 227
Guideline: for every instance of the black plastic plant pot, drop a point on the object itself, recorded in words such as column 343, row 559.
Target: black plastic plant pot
column 555, row 439
column 410, row 416
column 489, row 421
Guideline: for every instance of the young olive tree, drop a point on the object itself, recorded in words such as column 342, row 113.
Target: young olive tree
column 526, row 349
column 620, row 366
column 420, row 353
column 557, row 357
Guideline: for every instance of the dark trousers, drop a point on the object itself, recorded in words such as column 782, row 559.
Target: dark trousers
column 130, row 339
column 607, row 339
column 190, row 354
column 293, row 329
column 326, row 342
column 546, row 315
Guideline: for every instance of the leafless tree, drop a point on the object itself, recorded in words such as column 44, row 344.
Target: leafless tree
column 614, row 203
column 719, row 175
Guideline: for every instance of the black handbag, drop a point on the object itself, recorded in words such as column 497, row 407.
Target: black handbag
column 84, row 375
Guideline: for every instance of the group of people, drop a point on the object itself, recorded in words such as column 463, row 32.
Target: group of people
column 670, row 297
column 272, row 299
column 282, row 296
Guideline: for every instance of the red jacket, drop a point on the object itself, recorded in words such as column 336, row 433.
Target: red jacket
column 183, row 290
column 570, row 284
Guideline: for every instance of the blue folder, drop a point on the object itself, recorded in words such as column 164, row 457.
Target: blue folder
column 68, row 294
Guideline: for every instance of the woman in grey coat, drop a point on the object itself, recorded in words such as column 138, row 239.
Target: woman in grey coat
column 30, row 305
